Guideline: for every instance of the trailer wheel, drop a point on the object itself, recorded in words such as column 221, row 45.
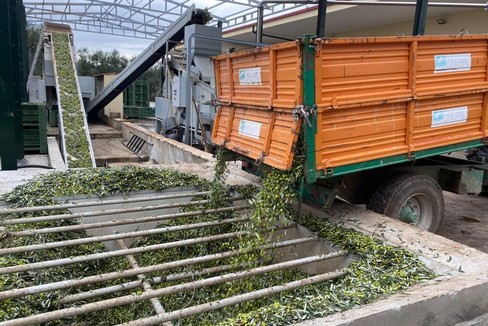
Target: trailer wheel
column 411, row 198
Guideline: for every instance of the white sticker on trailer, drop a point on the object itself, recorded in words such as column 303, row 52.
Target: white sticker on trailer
column 452, row 62
column 250, row 76
column 250, row 128
column 448, row 117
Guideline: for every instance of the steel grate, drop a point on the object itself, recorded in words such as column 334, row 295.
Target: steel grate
column 137, row 145
column 120, row 224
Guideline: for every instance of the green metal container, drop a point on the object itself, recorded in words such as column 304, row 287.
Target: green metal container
column 35, row 140
column 33, row 115
column 52, row 116
column 131, row 112
column 137, row 94
column 138, row 112
column 146, row 112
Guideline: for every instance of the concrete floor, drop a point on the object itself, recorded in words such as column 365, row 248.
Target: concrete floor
column 466, row 220
column 96, row 131
column 11, row 179
column 110, row 150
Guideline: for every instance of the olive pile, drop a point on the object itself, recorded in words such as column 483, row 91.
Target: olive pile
column 379, row 270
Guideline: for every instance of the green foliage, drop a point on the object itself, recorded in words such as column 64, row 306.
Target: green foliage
column 272, row 205
column 201, row 16
column 378, row 270
column 100, row 181
column 75, row 138
column 153, row 77
column 33, row 35
column 218, row 191
column 93, row 63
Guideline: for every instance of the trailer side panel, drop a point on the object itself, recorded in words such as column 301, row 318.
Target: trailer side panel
column 378, row 101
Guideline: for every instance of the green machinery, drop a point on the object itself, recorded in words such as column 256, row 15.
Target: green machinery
column 13, row 76
column 22, row 125
column 34, row 127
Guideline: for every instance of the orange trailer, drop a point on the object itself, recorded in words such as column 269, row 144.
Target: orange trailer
column 363, row 103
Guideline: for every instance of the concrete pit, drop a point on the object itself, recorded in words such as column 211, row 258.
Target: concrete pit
column 457, row 295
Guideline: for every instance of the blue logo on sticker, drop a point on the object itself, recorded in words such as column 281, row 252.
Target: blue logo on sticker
column 437, row 116
column 440, row 61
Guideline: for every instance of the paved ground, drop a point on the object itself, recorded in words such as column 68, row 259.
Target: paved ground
column 109, row 150
column 11, row 179
column 466, row 220
column 96, row 131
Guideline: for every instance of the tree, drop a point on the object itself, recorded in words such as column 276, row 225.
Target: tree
column 153, row 76
column 92, row 63
column 33, row 35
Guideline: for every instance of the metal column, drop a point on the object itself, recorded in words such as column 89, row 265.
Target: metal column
column 7, row 103
column 321, row 15
column 19, row 57
column 420, row 17
column 260, row 23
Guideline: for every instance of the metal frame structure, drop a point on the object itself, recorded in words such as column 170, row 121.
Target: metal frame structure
column 148, row 18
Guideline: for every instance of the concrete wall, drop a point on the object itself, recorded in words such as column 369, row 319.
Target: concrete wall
column 165, row 150
column 115, row 108
column 458, row 294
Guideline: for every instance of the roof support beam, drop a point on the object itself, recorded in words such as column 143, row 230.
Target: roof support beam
column 321, row 18
column 420, row 17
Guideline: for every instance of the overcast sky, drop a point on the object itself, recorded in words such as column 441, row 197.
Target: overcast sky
column 127, row 46
column 60, row 11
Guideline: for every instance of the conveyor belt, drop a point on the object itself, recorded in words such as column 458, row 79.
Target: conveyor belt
column 75, row 137
column 173, row 34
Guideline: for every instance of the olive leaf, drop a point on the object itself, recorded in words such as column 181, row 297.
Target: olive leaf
column 77, row 143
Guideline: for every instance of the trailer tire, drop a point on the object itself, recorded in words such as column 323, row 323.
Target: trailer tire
column 412, row 198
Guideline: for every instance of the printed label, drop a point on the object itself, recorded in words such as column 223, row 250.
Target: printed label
column 452, row 62
column 250, row 76
column 449, row 116
column 249, row 128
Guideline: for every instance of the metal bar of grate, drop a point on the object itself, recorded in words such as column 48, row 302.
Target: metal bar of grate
column 57, row 217
column 33, row 232
column 124, row 300
column 134, row 283
column 158, row 308
column 118, row 253
column 132, row 140
column 137, row 145
column 138, row 149
column 109, row 237
column 5, row 211
column 190, row 311
column 10, row 294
